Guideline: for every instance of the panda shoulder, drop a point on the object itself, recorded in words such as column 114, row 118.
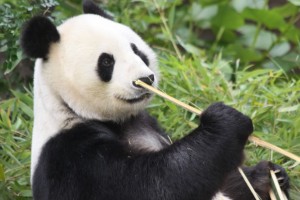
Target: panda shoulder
column 80, row 136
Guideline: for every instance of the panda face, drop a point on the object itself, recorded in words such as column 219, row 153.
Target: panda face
column 93, row 67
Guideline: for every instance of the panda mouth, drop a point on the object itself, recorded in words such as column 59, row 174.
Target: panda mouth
column 137, row 99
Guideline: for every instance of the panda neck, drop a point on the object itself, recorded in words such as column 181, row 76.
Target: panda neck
column 50, row 113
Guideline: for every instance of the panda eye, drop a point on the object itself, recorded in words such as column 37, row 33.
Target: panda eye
column 105, row 66
column 106, row 60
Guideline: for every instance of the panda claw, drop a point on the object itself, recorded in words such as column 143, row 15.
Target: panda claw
column 280, row 178
column 277, row 171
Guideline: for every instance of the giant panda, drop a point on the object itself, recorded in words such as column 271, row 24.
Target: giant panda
column 92, row 138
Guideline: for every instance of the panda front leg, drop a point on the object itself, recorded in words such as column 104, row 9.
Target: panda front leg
column 192, row 168
column 259, row 177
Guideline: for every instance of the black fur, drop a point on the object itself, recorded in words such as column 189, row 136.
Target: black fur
column 90, row 161
column 105, row 66
column 259, row 176
column 89, row 7
column 37, row 36
column 149, row 80
column 140, row 54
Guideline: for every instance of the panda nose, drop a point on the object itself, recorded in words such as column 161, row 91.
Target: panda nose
column 148, row 80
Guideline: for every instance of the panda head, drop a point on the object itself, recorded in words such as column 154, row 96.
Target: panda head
column 90, row 63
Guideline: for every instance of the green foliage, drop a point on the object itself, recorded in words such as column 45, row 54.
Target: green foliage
column 13, row 14
column 266, row 95
column 16, row 117
column 255, row 32
column 237, row 51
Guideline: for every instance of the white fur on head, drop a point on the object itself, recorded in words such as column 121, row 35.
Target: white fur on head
column 67, row 87
column 73, row 63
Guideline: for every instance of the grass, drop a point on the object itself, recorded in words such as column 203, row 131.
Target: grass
column 16, row 118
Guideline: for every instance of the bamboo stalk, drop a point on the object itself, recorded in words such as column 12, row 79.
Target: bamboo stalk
column 249, row 184
column 172, row 99
column 272, row 195
column 267, row 145
column 277, row 186
column 198, row 112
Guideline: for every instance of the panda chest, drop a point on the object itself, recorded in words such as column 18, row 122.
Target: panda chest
column 143, row 140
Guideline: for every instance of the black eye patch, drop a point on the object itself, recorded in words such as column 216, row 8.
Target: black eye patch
column 140, row 54
column 105, row 66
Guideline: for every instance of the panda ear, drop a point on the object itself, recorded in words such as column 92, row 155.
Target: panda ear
column 89, row 7
column 37, row 36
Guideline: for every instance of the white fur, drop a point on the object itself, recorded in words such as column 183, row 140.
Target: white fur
column 69, row 75
column 220, row 196
column 148, row 141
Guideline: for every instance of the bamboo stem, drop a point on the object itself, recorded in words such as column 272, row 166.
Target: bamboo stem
column 249, row 184
column 277, row 186
column 172, row 99
column 272, row 195
column 198, row 112
column 267, row 145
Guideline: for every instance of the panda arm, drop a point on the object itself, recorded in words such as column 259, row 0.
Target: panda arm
column 87, row 163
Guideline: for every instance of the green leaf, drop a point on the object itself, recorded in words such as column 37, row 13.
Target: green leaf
column 26, row 109
column 271, row 19
column 257, row 38
column 295, row 2
column 228, row 18
column 199, row 12
column 171, row 16
column 280, row 49
column 286, row 10
column 289, row 109
column 2, row 174
column 26, row 193
column 240, row 5
column 292, row 34
column 286, row 62
column 243, row 53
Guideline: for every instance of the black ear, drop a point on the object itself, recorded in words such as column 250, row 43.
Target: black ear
column 89, row 7
column 37, row 36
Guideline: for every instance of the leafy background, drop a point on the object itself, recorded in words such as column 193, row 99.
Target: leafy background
column 242, row 52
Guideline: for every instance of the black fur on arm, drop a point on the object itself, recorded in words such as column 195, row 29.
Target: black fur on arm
column 89, row 7
column 37, row 36
column 89, row 162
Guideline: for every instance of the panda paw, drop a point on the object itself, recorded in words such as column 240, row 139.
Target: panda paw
column 261, row 177
column 282, row 177
column 227, row 120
